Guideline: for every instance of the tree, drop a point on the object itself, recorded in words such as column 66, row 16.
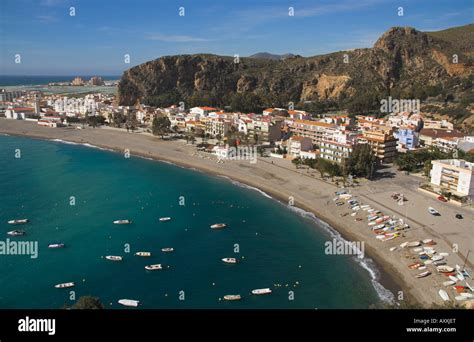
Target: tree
column 361, row 162
column 297, row 162
column 160, row 125
column 88, row 303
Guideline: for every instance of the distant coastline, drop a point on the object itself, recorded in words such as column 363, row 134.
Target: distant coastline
column 20, row 80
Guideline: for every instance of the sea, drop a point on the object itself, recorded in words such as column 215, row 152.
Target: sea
column 72, row 193
column 40, row 83
column 26, row 81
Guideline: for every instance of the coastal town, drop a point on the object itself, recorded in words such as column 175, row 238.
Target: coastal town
column 405, row 175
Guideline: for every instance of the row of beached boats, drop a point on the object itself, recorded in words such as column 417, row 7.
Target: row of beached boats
column 387, row 228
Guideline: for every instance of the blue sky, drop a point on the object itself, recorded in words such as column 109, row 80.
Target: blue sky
column 95, row 40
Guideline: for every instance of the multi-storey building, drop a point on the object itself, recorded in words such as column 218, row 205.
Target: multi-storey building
column 264, row 129
column 338, row 147
column 315, row 130
column 298, row 144
column 215, row 127
column 383, row 144
column 453, row 175
column 407, row 139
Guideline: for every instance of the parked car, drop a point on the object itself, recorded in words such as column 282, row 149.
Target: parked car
column 459, row 216
column 442, row 199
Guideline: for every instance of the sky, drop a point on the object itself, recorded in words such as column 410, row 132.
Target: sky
column 97, row 38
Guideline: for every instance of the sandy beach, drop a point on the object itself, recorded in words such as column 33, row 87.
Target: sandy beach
column 281, row 180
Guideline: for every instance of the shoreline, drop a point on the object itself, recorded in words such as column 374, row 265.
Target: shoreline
column 389, row 274
column 379, row 277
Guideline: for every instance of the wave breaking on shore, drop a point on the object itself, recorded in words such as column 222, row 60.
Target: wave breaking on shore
column 366, row 263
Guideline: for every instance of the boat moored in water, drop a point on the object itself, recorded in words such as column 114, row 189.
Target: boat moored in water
column 143, row 254
column 153, row 267
column 164, row 219
column 16, row 233
column 261, row 291
column 21, row 221
column 122, row 221
column 167, row 249
column 56, row 245
column 232, row 297
column 129, row 302
column 229, row 260
column 64, row 285
column 218, row 226
column 114, row 258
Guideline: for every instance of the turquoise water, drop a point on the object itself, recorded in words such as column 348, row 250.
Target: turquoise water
column 276, row 245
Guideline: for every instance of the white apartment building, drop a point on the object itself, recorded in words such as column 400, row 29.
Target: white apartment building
column 453, row 175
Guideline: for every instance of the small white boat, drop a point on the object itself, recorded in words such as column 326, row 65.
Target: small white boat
column 167, row 249
column 413, row 244
column 427, row 240
column 428, row 262
column 353, row 214
column 433, row 211
column 129, row 302
column 114, row 258
column 21, row 221
column 218, row 226
column 153, row 267
column 392, row 249
column 421, row 268
column 64, row 285
column 404, row 244
column 143, row 254
column 460, row 298
column 164, row 219
column 444, row 295
column 16, row 233
column 444, row 254
column 467, row 294
column 449, row 283
column 122, row 222
column 423, row 274
column 229, row 260
column 232, row 297
column 437, row 258
column 261, row 291
column 444, row 269
column 452, row 278
column 56, row 245
column 417, row 250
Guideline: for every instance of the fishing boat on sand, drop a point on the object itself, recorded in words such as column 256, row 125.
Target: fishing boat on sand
column 444, row 269
column 423, row 274
column 443, row 294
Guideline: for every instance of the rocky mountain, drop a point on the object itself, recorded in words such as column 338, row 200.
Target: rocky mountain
column 266, row 55
column 403, row 62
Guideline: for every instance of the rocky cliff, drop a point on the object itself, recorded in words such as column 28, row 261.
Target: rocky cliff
column 402, row 61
